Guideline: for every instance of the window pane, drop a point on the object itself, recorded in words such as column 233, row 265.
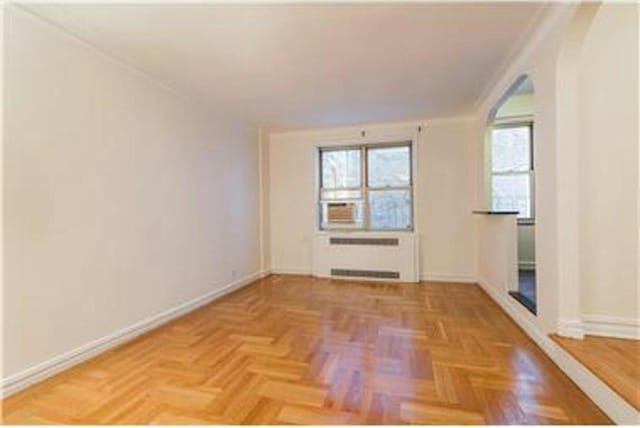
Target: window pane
column 512, row 193
column 389, row 166
column 340, row 168
column 340, row 194
column 341, row 215
column 511, row 149
column 390, row 209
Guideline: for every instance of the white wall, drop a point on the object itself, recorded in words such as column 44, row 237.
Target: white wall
column 609, row 140
column 447, row 189
column 538, row 61
column 121, row 201
column 445, row 198
column 497, row 255
column 517, row 105
column 586, row 185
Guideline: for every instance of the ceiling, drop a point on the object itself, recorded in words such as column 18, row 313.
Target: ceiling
column 300, row 66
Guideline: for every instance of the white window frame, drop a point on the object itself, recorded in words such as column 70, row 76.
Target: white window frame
column 530, row 172
column 364, row 185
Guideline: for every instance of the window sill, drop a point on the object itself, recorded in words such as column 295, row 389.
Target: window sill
column 491, row 212
column 365, row 232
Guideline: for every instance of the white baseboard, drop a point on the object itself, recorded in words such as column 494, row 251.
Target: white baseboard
column 435, row 277
column 14, row 383
column 424, row 277
column 290, row 271
column 600, row 325
column 616, row 407
column 571, row 328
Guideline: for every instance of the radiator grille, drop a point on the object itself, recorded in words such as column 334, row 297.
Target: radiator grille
column 391, row 242
column 366, row 273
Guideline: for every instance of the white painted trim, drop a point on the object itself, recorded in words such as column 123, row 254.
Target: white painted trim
column 289, row 271
column 571, row 328
column 442, row 278
column 527, row 265
column 262, row 214
column 424, row 277
column 608, row 329
column 600, row 325
column 14, row 383
column 439, row 277
column 362, row 279
column 3, row 39
column 604, row 325
column 616, row 407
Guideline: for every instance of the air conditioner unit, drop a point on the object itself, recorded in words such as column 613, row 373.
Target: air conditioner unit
column 341, row 212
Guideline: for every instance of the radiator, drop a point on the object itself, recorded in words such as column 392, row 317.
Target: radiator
column 366, row 256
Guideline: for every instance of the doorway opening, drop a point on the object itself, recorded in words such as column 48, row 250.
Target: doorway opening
column 513, row 179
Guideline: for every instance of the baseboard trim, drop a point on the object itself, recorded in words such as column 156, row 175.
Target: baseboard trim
column 431, row 277
column 601, row 325
column 290, row 271
column 616, row 407
column 424, row 277
column 16, row 382
column 571, row 328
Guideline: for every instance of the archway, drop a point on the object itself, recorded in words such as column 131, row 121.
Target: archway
column 511, row 167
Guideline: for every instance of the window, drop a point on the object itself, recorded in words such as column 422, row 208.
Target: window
column 366, row 187
column 512, row 169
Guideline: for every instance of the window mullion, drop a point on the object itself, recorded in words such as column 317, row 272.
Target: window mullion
column 511, row 172
column 364, row 182
column 373, row 189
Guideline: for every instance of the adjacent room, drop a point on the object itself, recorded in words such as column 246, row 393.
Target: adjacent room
column 320, row 213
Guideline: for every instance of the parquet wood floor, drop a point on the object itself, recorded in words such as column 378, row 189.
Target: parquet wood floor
column 299, row 350
column 615, row 361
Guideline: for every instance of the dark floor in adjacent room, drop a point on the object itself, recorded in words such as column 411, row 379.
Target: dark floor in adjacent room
column 526, row 292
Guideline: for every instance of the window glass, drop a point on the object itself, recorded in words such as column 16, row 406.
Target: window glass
column 331, row 194
column 340, row 168
column 390, row 209
column 389, row 166
column 511, row 149
column 512, row 192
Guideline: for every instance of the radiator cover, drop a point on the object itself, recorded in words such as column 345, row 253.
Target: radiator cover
column 366, row 256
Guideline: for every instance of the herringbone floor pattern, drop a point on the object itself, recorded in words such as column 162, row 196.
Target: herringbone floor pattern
column 297, row 350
